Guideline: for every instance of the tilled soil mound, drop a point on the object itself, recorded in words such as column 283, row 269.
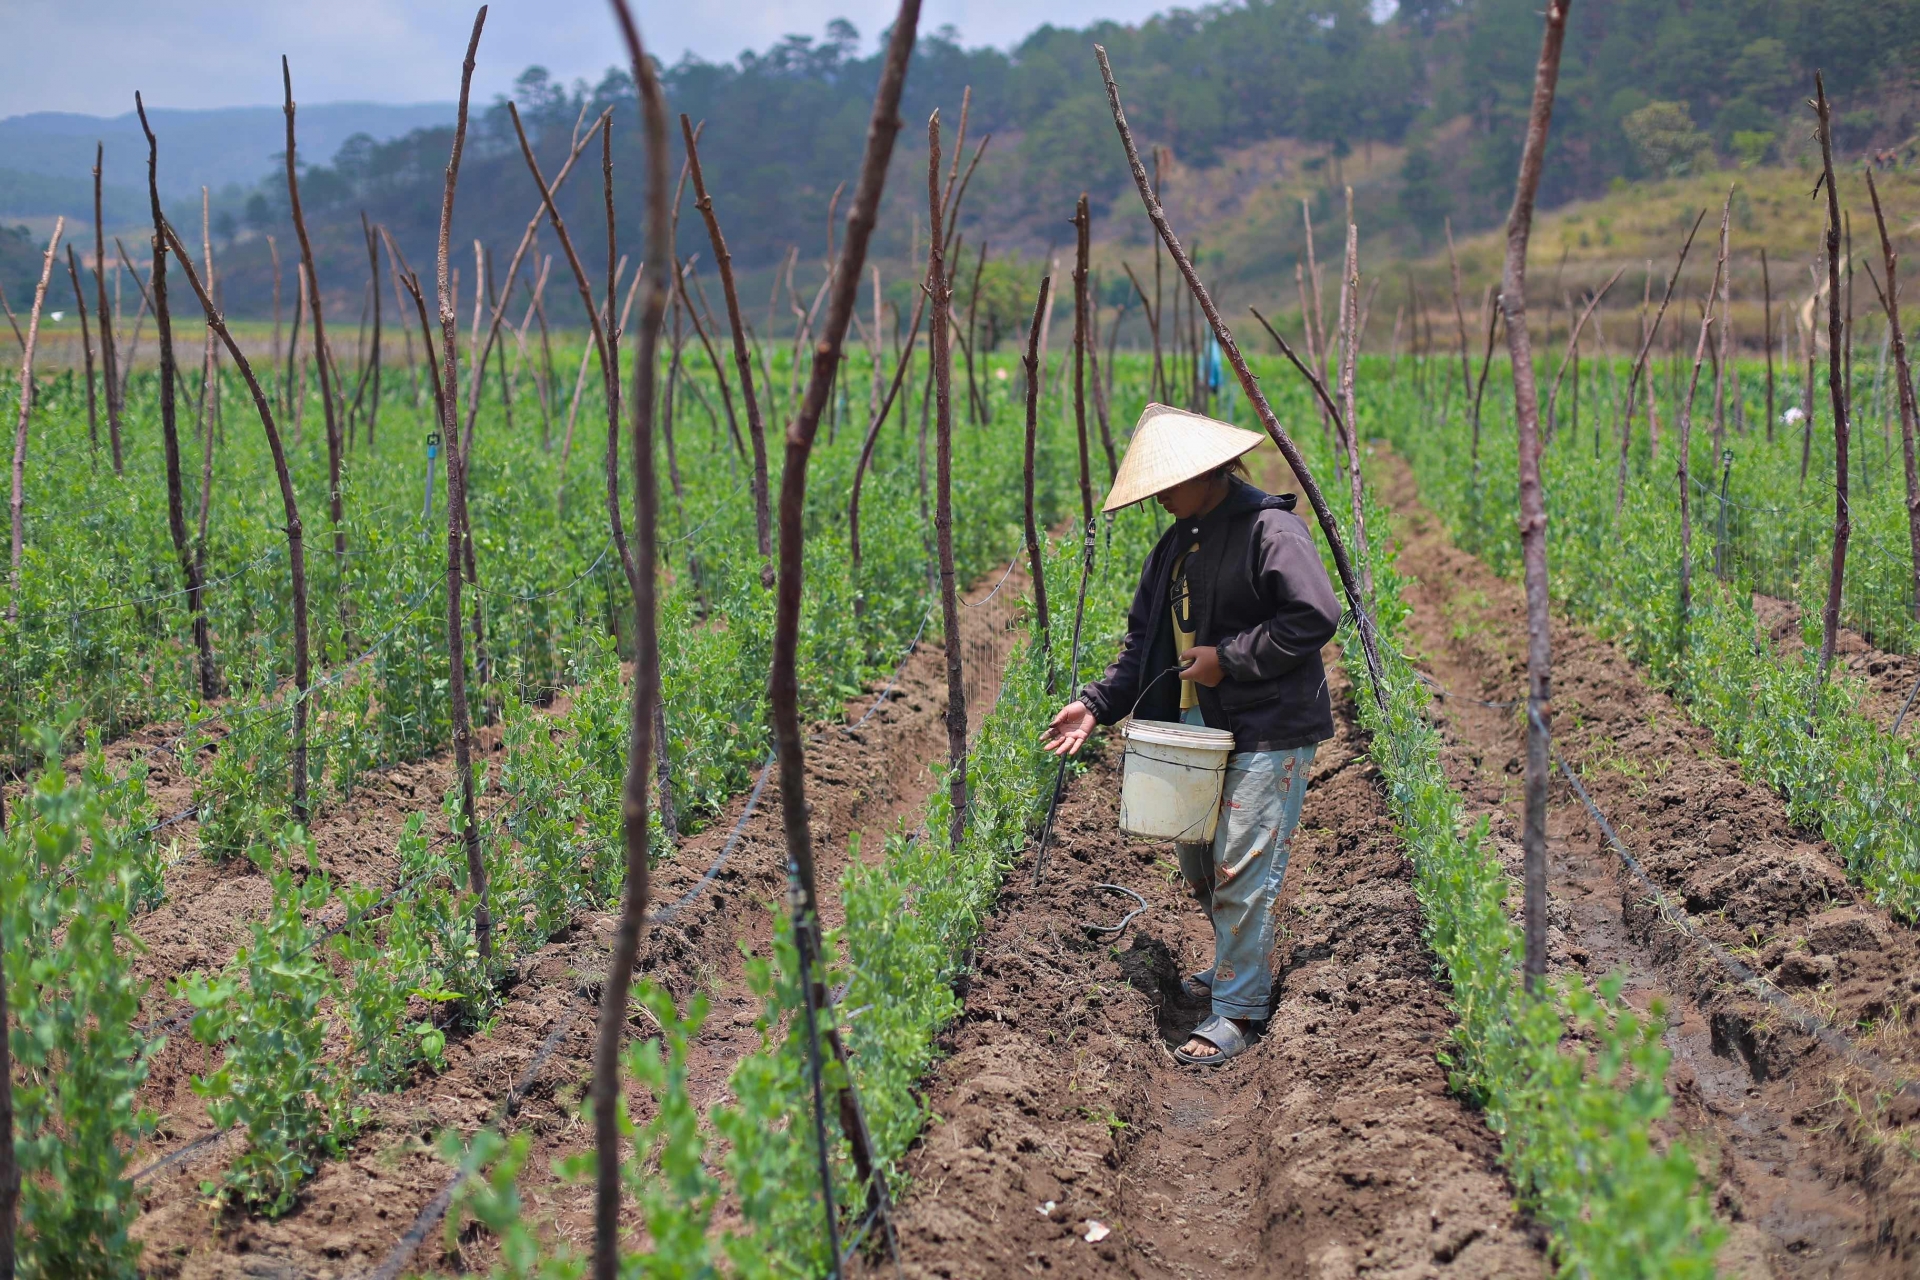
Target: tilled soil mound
column 1812, row 1157
column 1331, row 1149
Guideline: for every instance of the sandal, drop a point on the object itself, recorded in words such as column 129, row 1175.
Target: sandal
column 1223, row 1035
column 1199, row 986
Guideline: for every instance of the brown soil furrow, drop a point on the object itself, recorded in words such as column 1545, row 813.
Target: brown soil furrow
column 1331, row 1149
column 1810, row 1188
column 1887, row 679
column 355, row 1208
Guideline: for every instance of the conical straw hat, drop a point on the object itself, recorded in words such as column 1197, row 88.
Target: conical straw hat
column 1171, row 445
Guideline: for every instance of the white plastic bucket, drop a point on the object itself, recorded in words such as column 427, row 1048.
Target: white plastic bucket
column 1171, row 780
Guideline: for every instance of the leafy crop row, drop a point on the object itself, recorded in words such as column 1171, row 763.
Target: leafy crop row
column 1841, row 772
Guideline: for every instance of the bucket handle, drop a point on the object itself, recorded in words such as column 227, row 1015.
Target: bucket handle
column 1178, row 666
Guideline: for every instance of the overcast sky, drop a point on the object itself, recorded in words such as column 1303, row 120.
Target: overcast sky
column 90, row 55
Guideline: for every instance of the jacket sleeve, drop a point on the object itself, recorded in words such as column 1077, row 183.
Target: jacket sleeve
column 1113, row 694
column 1290, row 578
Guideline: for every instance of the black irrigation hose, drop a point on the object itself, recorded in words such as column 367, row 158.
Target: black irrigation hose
column 436, row 1208
column 1116, row 929
column 1810, row 1024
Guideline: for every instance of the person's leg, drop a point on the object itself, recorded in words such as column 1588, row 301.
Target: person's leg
column 1263, row 795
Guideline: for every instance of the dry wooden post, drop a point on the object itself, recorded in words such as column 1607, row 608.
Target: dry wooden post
column 743, row 364
column 1836, row 390
column 1349, row 357
column 1036, row 563
column 976, row 403
column 783, row 686
column 873, row 439
column 1356, row 600
column 9, row 1171
column 1533, row 515
column 646, row 684
column 86, row 349
column 290, row 507
column 335, row 506
column 940, row 293
column 1573, row 353
column 1081, row 249
column 1684, row 446
column 1312, row 343
column 209, row 405
column 1480, row 387
column 1459, row 312
column 1100, row 406
column 373, row 273
column 1318, row 329
column 1640, row 363
column 1722, row 298
column 109, row 367
column 1903, row 378
column 273, row 352
column 169, row 428
column 17, row 503
column 449, row 392
column 1766, row 285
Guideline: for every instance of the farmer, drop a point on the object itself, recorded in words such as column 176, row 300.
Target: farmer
column 1235, row 603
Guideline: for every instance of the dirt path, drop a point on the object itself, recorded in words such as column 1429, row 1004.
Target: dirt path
column 1810, row 1188
column 356, row 1208
column 1332, row 1149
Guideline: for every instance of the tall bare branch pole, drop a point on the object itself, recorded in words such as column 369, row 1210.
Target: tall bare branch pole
column 1640, row 363
column 1036, row 564
column 1836, row 389
column 17, row 504
column 290, row 507
column 1349, row 357
column 373, row 273
column 109, row 366
column 1573, row 348
column 939, row 344
column 1080, row 251
column 1766, row 286
column 1684, row 429
column 743, row 364
column 783, row 681
column 86, row 351
column 323, row 365
column 9, row 1171
column 646, row 675
column 1903, row 375
column 169, row 426
column 1329, row 525
column 1533, row 512
column 456, row 497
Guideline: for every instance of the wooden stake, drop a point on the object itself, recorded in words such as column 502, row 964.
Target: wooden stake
column 940, row 290
column 1533, row 515
column 17, row 504
column 1036, row 563
column 1640, row 361
column 1356, row 600
column 1836, row 390
column 756, row 423
column 1903, row 378
column 335, row 503
column 109, row 365
column 1081, row 248
column 86, row 348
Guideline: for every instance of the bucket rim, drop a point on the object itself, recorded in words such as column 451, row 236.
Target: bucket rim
column 1170, row 733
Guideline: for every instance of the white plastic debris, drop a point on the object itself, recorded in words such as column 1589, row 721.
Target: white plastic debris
column 1097, row 1231
column 1046, row 1210
column 1793, row 416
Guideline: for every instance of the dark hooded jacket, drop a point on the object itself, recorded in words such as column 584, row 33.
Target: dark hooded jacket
column 1262, row 598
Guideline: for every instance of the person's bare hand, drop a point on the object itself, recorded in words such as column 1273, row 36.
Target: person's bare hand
column 1069, row 730
column 1202, row 666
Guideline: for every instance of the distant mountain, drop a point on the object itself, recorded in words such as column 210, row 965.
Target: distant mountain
column 214, row 148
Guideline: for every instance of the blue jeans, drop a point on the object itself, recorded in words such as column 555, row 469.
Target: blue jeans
column 1237, row 877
